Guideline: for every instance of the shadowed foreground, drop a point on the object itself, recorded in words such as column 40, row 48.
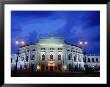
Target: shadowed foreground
column 54, row 74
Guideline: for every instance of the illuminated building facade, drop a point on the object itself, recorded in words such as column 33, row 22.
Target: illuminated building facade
column 53, row 54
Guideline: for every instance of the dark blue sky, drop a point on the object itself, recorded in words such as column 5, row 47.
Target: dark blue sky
column 73, row 25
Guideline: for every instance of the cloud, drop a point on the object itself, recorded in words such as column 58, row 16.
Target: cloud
column 73, row 25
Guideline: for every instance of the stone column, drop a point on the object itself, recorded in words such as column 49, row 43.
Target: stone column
column 63, row 55
column 46, row 55
column 38, row 56
column 56, row 55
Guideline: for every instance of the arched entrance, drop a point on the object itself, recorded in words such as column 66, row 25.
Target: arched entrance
column 59, row 66
column 42, row 67
column 51, row 63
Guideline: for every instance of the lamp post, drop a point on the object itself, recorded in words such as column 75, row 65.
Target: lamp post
column 19, row 43
column 83, row 43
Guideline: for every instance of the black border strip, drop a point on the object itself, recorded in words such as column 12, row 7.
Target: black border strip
column 54, row 1
column 108, row 42
column 2, row 2
column 2, row 44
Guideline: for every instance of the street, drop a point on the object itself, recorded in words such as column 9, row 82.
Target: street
column 54, row 74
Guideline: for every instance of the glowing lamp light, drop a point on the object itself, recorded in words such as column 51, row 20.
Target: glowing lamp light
column 65, row 67
column 85, row 42
column 17, row 42
column 80, row 42
column 38, row 67
column 22, row 42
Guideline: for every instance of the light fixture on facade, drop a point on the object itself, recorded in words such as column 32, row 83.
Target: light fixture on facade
column 22, row 42
column 17, row 42
column 64, row 67
column 80, row 42
column 38, row 67
column 85, row 42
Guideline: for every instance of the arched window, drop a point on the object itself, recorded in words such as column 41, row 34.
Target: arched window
column 74, row 58
column 27, row 58
column 69, row 57
column 84, row 59
column 11, row 60
column 59, row 48
column 43, row 57
column 33, row 49
column 88, row 59
column 33, row 57
column 96, row 59
column 92, row 59
column 59, row 57
column 42, row 48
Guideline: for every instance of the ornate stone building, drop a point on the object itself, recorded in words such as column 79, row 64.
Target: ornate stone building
column 53, row 54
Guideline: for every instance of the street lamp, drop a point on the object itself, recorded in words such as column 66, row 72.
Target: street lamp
column 17, row 42
column 20, row 43
column 83, row 42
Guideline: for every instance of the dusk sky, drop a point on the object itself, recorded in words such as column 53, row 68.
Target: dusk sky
column 73, row 25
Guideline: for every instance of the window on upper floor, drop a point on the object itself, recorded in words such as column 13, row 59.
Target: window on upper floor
column 69, row 57
column 33, row 57
column 42, row 48
column 97, row 60
column 92, row 59
column 51, row 57
column 33, row 49
column 74, row 58
column 59, row 48
column 11, row 60
column 88, row 59
column 84, row 59
column 59, row 57
column 43, row 57
column 51, row 48
column 22, row 58
column 27, row 58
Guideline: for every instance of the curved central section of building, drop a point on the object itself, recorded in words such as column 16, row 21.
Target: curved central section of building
column 50, row 54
